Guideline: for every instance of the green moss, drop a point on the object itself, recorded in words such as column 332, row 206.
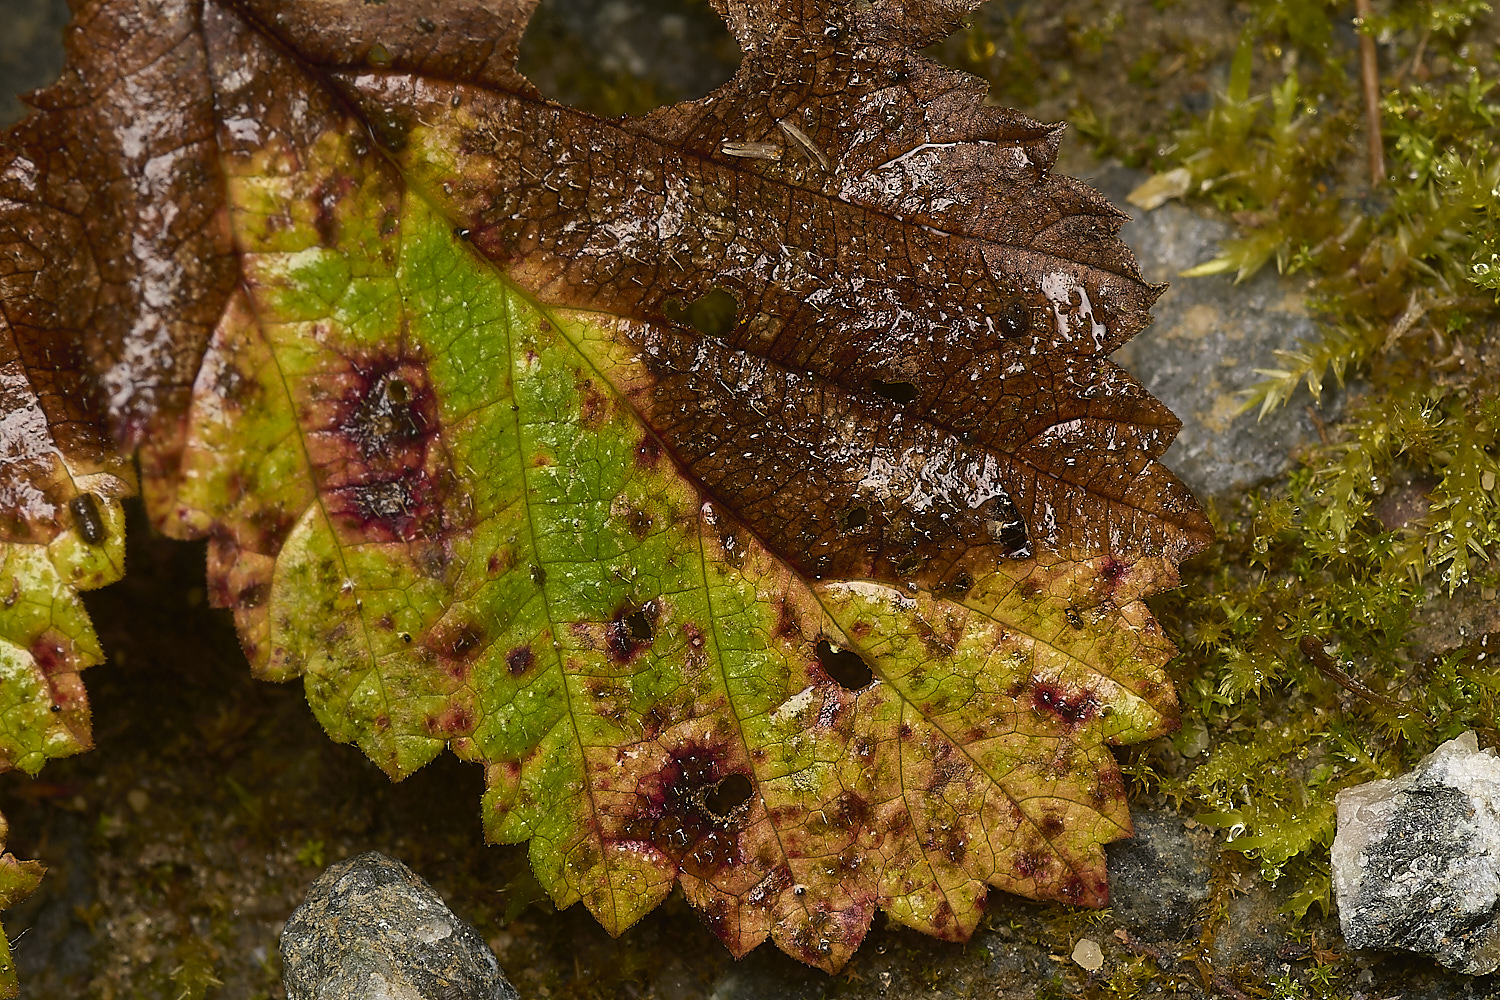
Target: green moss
column 1312, row 651
column 1297, row 671
column 193, row 977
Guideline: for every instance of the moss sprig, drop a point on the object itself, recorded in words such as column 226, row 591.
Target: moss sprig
column 1427, row 261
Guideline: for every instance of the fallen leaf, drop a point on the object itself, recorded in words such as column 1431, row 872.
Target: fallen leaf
column 1158, row 189
column 745, row 486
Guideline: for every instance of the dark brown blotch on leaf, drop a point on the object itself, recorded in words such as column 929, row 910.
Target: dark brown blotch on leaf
column 595, row 405
column 454, row 720
column 648, row 452
column 637, row 521
column 1033, row 863
column 631, row 631
column 54, row 653
column 404, row 508
column 57, row 657
column 1071, row 707
column 1084, row 892
column 851, row 812
column 519, row 661
column 946, row 766
column 1107, row 786
column 326, row 198
column 691, row 810
column 1113, row 570
column 388, row 406
column 457, row 642
column 375, row 445
column 251, row 596
column 271, row 523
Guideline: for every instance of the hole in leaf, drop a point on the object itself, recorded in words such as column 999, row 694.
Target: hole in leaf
column 398, row 391
column 712, row 314
column 847, row 668
column 631, row 631
column 626, row 59
column 727, row 796
column 896, row 392
column 1006, row 527
column 855, row 517
column 639, row 627
column 971, row 46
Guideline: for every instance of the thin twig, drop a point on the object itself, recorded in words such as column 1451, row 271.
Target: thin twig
column 1369, row 72
column 1415, row 69
column 1313, row 650
column 1317, row 422
column 1227, row 988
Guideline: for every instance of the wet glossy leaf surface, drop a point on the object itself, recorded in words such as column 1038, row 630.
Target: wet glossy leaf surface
column 746, row 487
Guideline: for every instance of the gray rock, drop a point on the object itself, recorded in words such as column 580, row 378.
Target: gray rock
column 1159, row 878
column 1416, row 861
column 372, row 928
column 1208, row 338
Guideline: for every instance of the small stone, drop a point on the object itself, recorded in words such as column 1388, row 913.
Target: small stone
column 371, row 927
column 1416, row 861
column 1088, row 955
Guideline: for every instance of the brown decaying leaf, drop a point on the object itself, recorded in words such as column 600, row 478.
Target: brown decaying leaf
column 870, row 321
column 908, row 279
column 934, row 255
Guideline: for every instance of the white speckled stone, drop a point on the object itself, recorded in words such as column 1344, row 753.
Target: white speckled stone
column 372, row 929
column 1416, row 861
